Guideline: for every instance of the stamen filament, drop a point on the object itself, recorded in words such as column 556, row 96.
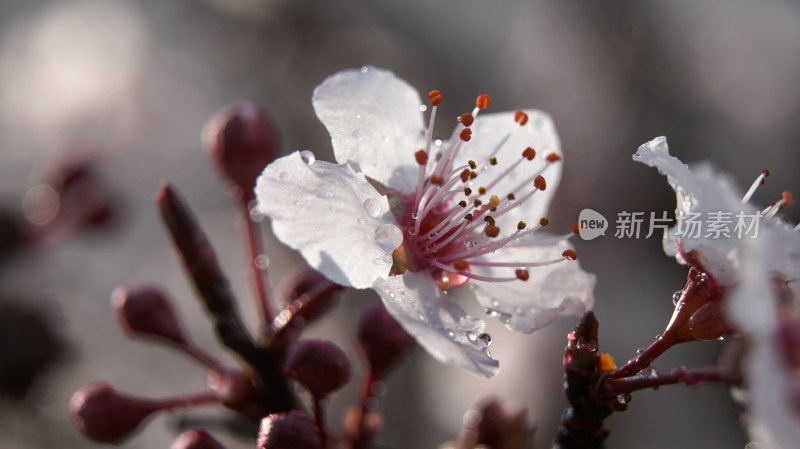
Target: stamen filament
column 477, row 277
column 518, row 264
column 754, row 186
column 422, row 168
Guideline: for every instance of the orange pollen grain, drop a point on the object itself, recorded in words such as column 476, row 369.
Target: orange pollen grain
column 467, row 119
column 491, row 231
column 421, row 157
column 521, row 118
column 436, row 97
column 529, row 153
column 466, row 134
column 460, row 265
column 522, row 275
column 483, row 101
column 570, row 254
column 540, row 183
column 606, row 362
column 553, row 157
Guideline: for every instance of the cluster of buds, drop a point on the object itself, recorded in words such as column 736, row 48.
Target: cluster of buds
column 241, row 139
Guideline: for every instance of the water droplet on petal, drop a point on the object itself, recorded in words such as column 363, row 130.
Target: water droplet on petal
column 504, row 318
column 423, row 107
column 308, row 157
column 388, row 237
column 373, row 207
column 437, row 142
column 412, row 230
column 485, row 340
column 261, row 261
column 472, row 336
column 364, row 69
column 622, row 399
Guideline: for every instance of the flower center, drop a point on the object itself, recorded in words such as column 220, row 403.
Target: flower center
column 450, row 220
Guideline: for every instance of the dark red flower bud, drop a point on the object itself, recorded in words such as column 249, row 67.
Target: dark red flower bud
column 241, row 140
column 308, row 295
column 101, row 414
column 196, row 439
column 144, row 311
column 81, row 192
column 291, row 430
column 318, row 365
column 382, row 339
column 498, row 428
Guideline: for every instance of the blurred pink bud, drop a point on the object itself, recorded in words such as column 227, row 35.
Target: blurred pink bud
column 382, row 339
column 291, row 430
column 196, row 439
column 241, row 140
column 101, row 414
column 145, row 311
column 82, row 192
column 318, row 365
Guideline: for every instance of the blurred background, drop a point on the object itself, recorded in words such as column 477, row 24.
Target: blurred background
column 130, row 84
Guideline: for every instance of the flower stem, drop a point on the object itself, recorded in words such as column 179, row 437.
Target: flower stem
column 319, row 417
column 260, row 277
column 643, row 360
column 613, row 387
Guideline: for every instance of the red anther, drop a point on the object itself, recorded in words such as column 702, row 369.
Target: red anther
column 421, row 156
column 382, row 339
column 465, row 175
column 787, row 198
column 540, row 183
column 576, row 228
column 460, row 265
column 467, row 119
column 491, row 231
column 318, row 365
column 466, row 134
column 437, row 180
column 292, row 430
column 570, row 254
column 522, row 275
column 529, row 153
column 241, row 140
column 436, row 97
column 511, row 197
column 521, row 118
column 483, row 101
column 196, row 439
column 553, row 157
column 144, row 311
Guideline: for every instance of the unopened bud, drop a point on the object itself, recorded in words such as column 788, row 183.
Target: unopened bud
column 196, row 439
column 292, row 430
column 101, row 414
column 382, row 339
column 144, row 311
column 318, row 365
column 82, row 192
column 241, row 140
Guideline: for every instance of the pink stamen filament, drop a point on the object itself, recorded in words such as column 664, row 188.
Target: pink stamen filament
column 754, row 187
column 477, row 277
column 489, row 247
column 543, row 240
column 504, row 173
column 434, row 245
column 518, row 264
column 422, row 167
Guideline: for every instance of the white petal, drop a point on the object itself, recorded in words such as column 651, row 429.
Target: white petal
column 333, row 216
column 374, row 120
column 698, row 191
column 440, row 325
column 539, row 133
column 562, row 289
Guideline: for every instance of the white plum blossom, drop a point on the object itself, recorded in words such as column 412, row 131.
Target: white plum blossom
column 412, row 217
column 761, row 275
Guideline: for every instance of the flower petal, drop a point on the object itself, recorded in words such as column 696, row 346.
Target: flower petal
column 561, row 289
column 340, row 224
column 437, row 322
column 488, row 131
column 374, row 119
column 698, row 191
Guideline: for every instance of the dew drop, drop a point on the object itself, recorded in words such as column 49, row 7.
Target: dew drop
column 472, row 336
column 308, row 157
column 649, row 372
column 437, row 142
column 703, row 277
column 681, row 260
column 519, row 311
column 451, row 334
column 504, row 318
column 495, row 303
column 421, row 316
column 364, row 69
column 676, row 297
column 622, row 399
column 373, row 207
column 640, row 351
column 423, row 107
column 261, row 261
column 485, row 339
column 392, row 295
column 388, row 237
column 283, row 176
column 255, row 215
column 414, row 215
column 412, row 230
